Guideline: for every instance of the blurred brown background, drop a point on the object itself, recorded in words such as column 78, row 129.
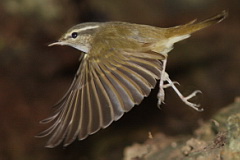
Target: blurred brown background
column 33, row 76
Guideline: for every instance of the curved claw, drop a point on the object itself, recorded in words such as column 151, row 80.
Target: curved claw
column 161, row 97
column 193, row 105
column 199, row 109
column 192, row 94
column 170, row 85
column 176, row 82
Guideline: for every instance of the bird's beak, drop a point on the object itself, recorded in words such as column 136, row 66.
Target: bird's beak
column 57, row 43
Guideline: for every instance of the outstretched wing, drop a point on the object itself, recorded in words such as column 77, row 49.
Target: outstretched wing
column 103, row 89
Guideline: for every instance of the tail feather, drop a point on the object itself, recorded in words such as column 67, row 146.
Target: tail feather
column 193, row 27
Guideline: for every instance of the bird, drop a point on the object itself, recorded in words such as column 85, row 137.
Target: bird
column 120, row 63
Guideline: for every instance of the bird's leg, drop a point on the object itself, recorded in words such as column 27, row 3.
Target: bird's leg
column 162, row 86
column 170, row 83
column 161, row 93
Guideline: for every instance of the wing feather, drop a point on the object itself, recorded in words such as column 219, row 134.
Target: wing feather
column 105, row 103
column 74, row 122
column 63, row 119
column 102, row 90
column 84, row 121
column 133, row 88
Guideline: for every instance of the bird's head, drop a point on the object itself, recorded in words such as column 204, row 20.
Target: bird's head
column 79, row 36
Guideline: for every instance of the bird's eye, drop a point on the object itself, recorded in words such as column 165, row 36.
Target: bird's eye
column 74, row 35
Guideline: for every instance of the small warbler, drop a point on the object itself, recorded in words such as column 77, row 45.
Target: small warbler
column 120, row 63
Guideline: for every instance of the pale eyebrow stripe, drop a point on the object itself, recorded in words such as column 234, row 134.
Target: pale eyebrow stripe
column 85, row 28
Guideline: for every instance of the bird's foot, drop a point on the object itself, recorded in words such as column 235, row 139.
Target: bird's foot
column 190, row 104
column 183, row 98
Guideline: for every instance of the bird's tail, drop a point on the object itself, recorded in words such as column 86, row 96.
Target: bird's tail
column 193, row 26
